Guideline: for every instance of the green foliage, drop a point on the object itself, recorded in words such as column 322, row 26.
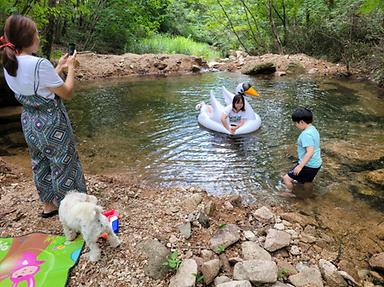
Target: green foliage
column 220, row 249
column 282, row 272
column 199, row 277
column 340, row 30
column 222, row 225
column 173, row 262
column 172, row 45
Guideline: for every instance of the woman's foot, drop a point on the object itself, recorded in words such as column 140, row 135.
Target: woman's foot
column 49, row 210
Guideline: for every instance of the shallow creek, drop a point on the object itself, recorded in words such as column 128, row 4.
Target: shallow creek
column 148, row 127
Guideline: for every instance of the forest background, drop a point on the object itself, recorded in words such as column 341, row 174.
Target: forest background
column 347, row 31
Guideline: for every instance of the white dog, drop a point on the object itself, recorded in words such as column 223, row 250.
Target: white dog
column 79, row 212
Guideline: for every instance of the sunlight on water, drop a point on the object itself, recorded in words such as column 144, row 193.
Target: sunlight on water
column 150, row 127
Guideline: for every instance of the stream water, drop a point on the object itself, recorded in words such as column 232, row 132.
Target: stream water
column 148, row 127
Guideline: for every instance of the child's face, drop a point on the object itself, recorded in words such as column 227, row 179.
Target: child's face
column 301, row 125
column 239, row 105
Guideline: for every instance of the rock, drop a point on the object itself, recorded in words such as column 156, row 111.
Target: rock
column 203, row 220
column 235, row 200
column 228, row 205
column 307, row 277
column 209, row 208
column 280, row 73
column 264, row 214
column 377, row 261
column 206, row 254
column 279, row 284
column 286, row 266
column 330, row 274
column 242, row 283
column 225, row 237
column 210, row 269
column 299, row 218
column 252, row 251
column 185, row 230
column 307, row 238
column 264, row 68
column 279, row 226
column 160, row 66
column 221, row 279
column 193, row 201
column 195, row 69
column 276, row 240
column 256, row 271
column 313, row 71
column 295, row 68
column 348, row 278
column 376, row 177
column 186, row 274
column 225, row 263
column 157, row 254
column 295, row 250
column 250, row 235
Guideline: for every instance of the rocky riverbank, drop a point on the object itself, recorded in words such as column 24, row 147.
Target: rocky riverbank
column 216, row 241
column 95, row 66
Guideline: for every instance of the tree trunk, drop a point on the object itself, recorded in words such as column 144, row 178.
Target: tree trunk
column 278, row 44
column 232, row 27
column 49, row 31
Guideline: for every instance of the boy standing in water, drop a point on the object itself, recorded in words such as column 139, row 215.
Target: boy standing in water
column 308, row 150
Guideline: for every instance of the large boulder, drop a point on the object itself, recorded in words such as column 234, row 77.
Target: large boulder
column 258, row 69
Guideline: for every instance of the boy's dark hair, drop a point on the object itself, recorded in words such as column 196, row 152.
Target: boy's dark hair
column 302, row 114
column 237, row 98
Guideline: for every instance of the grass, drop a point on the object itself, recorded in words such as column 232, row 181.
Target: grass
column 172, row 45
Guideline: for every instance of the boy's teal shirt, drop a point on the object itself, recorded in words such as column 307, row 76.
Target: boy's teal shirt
column 310, row 137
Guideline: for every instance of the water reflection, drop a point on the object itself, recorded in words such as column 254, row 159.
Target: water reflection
column 150, row 126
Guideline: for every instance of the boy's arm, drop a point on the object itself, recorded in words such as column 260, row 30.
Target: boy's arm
column 306, row 158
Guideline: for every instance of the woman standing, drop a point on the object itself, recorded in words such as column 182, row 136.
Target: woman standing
column 47, row 130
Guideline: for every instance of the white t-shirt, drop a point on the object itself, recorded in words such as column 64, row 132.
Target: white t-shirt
column 234, row 118
column 22, row 84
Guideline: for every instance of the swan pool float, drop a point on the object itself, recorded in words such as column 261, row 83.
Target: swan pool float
column 210, row 115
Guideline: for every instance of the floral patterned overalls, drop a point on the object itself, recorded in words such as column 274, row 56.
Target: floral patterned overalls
column 47, row 130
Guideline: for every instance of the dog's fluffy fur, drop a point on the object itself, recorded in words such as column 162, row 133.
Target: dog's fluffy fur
column 79, row 212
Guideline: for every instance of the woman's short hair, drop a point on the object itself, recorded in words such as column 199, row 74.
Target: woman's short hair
column 302, row 114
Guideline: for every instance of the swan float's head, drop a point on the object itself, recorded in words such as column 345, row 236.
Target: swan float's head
column 246, row 89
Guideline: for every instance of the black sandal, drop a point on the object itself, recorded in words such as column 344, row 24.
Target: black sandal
column 49, row 214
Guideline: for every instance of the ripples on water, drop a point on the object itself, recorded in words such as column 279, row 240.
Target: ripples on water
column 150, row 126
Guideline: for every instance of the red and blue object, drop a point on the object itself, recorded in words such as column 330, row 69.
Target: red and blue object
column 113, row 219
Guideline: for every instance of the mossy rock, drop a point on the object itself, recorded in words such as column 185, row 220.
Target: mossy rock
column 259, row 69
column 295, row 68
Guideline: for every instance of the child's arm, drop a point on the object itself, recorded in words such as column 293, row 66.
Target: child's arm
column 224, row 121
column 306, row 158
column 242, row 122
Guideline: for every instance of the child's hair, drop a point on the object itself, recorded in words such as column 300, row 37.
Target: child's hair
column 302, row 114
column 237, row 99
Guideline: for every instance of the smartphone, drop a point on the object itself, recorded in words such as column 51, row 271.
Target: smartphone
column 71, row 48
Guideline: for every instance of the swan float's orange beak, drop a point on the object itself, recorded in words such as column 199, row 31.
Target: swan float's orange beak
column 251, row 92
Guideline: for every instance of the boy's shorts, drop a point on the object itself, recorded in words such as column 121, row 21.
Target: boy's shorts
column 307, row 174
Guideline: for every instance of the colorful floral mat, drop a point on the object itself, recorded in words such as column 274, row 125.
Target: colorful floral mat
column 37, row 260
